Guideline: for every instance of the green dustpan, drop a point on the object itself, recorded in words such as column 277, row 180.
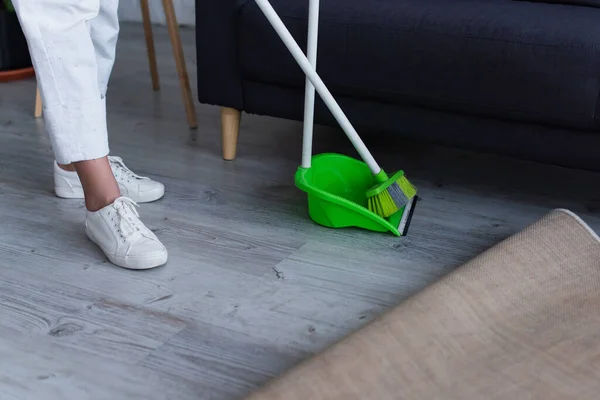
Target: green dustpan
column 336, row 187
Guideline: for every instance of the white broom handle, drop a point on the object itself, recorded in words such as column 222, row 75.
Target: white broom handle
column 309, row 95
column 314, row 78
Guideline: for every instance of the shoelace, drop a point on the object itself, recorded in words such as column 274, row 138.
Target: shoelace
column 129, row 223
column 121, row 170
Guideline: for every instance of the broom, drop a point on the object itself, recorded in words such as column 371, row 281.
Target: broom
column 389, row 194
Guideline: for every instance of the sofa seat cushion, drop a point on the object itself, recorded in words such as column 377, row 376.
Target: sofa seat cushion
column 496, row 58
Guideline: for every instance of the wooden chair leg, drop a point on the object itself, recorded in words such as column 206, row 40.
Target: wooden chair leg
column 150, row 44
column 38, row 104
column 184, row 80
column 230, row 130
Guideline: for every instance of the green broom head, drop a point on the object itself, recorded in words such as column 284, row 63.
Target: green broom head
column 391, row 195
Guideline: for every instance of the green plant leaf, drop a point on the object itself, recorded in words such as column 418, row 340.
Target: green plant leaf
column 8, row 5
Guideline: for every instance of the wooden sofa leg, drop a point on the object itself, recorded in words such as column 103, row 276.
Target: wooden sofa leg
column 230, row 129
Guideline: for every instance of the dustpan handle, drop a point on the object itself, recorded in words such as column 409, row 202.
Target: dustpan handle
column 309, row 95
column 320, row 87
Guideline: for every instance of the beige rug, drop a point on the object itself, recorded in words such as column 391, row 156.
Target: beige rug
column 520, row 321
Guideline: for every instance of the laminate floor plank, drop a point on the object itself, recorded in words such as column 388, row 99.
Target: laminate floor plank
column 222, row 363
column 41, row 368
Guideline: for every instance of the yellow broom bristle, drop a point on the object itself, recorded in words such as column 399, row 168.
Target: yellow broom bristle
column 407, row 188
column 393, row 198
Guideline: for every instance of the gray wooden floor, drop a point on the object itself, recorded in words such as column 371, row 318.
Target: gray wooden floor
column 253, row 286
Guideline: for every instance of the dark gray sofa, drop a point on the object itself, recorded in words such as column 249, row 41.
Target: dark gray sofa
column 502, row 76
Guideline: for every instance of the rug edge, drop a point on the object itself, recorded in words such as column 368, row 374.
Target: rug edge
column 580, row 221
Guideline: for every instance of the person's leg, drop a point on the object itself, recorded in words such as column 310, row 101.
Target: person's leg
column 74, row 111
column 104, row 33
column 59, row 38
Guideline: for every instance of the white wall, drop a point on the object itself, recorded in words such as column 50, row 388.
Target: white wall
column 129, row 10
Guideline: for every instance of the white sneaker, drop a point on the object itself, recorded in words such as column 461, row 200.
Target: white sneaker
column 138, row 188
column 125, row 240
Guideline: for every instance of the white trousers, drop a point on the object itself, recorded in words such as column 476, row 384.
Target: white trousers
column 72, row 45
